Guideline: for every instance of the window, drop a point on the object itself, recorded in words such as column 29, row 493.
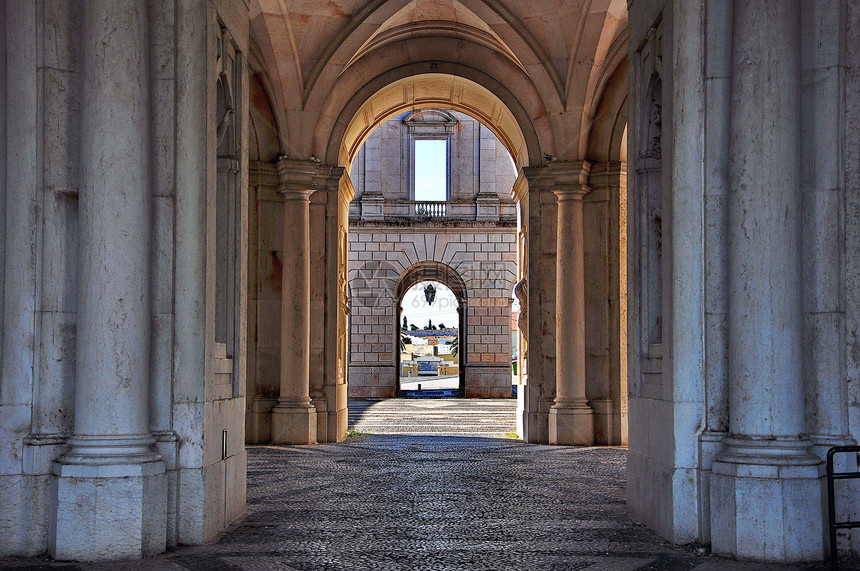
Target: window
column 430, row 132
column 431, row 170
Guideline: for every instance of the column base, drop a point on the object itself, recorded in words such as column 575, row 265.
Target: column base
column 604, row 429
column 767, row 500
column 294, row 423
column 258, row 421
column 108, row 511
column 571, row 424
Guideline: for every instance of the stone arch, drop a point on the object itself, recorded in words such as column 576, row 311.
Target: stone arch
column 264, row 95
column 431, row 271
column 606, row 136
column 438, row 272
column 263, row 144
column 451, row 86
column 379, row 278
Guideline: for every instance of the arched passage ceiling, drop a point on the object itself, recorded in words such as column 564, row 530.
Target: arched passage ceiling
column 553, row 56
column 432, row 90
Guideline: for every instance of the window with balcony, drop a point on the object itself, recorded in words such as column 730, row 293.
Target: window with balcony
column 431, row 170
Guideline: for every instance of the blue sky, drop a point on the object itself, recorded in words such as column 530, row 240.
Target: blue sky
column 430, row 169
column 443, row 310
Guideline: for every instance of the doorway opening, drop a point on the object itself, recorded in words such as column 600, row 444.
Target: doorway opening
column 433, row 204
column 430, row 333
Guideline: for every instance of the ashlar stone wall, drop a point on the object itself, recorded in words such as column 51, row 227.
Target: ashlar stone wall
column 484, row 258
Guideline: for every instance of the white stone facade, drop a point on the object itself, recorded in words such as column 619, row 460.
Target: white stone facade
column 391, row 242
column 741, row 314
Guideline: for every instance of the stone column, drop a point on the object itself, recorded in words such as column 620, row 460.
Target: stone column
column 294, row 419
column 111, row 487
column 765, row 490
column 571, row 419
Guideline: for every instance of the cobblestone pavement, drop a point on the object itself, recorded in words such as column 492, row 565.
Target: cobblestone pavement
column 438, row 503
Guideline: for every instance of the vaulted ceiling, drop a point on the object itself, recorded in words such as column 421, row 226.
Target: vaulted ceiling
column 549, row 61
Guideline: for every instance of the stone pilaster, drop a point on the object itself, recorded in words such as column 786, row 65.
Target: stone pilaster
column 294, row 418
column 765, row 488
column 605, row 253
column 571, row 419
column 333, row 283
column 111, row 487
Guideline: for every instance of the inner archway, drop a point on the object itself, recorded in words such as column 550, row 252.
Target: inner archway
column 430, row 273
column 469, row 228
column 545, row 155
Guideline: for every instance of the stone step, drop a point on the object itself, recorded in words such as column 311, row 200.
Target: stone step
column 492, row 418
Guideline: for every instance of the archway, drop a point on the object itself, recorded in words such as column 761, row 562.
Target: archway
column 366, row 111
column 472, row 231
column 436, row 272
column 551, row 147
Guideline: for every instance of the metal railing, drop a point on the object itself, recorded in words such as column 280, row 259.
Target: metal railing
column 831, row 499
column 430, row 209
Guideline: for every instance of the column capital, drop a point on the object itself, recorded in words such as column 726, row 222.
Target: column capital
column 571, row 192
column 563, row 177
column 296, row 178
column 345, row 187
column 570, row 173
column 606, row 179
column 571, row 179
column 607, row 170
column 520, row 190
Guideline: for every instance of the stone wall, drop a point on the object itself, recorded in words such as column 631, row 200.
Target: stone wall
column 747, row 377
column 484, row 258
column 146, row 378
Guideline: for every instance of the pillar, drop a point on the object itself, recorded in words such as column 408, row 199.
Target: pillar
column 571, row 419
column 766, row 498
column 294, row 419
column 606, row 301
column 111, row 488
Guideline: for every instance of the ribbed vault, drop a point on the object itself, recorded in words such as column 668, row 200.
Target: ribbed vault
column 314, row 57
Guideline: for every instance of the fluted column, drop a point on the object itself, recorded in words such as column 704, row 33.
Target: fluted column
column 571, row 419
column 765, row 491
column 111, row 491
column 294, row 417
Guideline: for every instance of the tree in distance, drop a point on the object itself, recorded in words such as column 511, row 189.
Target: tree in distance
column 455, row 345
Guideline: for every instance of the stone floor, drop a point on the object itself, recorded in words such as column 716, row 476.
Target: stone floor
column 448, row 416
column 437, row 503
column 430, row 383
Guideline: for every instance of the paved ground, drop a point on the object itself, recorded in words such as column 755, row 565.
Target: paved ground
column 430, row 383
column 435, row 503
column 433, row 383
column 448, row 416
